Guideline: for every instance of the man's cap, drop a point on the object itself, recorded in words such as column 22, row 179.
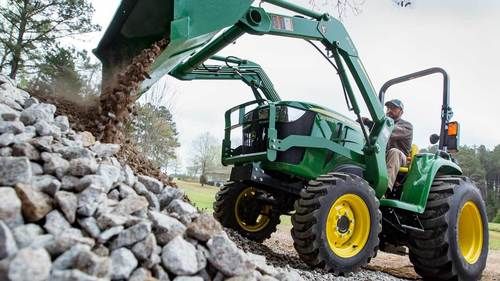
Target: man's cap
column 396, row 103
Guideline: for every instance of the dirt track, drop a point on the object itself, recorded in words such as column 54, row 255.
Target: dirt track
column 397, row 266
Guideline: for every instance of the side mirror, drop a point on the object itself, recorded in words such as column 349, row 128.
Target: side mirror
column 434, row 138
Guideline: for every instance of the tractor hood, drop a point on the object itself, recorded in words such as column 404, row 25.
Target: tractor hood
column 187, row 24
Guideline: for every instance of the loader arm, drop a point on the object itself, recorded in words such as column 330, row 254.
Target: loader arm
column 333, row 35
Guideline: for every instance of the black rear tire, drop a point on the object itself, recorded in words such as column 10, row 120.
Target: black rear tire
column 236, row 207
column 437, row 252
column 312, row 219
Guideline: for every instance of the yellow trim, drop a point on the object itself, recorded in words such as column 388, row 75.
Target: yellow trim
column 262, row 220
column 470, row 232
column 347, row 244
column 413, row 151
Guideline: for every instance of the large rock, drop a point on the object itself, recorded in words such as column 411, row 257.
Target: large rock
column 109, row 172
column 36, row 168
column 73, row 152
column 89, row 200
column 145, row 248
column 165, row 227
column 190, row 278
column 92, row 264
column 25, row 149
column 227, row 258
column 69, row 182
column 8, row 245
column 14, row 127
column 30, row 265
column 14, row 170
column 141, row 274
column 123, row 263
column 109, row 233
column 128, row 175
column 105, row 149
column 38, row 112
column 108, row 220
column 68, row 202
column 204, row 227
column 46, row 183
column 289, row 276
column 55, row 223
column 7, row 113
column 181, row 207
column 10, row 207
column 126, row 191
column 6, row 139
column 151, row 184
column 86, row 138
column 26, row 234
column 89, row 224
column 169, row 194
column 55, row 164
column 130, row 205
column 68, row 259
column 93, row 180
column 66, row 240
column 43, row 143
column 35, row 204
column 82, row 166
column 180, row 257
column 44, row 128
column 132, row 235
column 72, row 275
column 62, row 122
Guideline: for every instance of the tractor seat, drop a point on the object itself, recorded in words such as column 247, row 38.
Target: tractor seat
column 413, row 151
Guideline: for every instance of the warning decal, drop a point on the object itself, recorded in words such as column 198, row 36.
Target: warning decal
column 281, row 22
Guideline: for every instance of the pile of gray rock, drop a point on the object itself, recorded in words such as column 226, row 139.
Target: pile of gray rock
column 70, row 211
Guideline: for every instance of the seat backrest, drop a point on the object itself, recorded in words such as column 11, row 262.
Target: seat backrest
column 413, row 151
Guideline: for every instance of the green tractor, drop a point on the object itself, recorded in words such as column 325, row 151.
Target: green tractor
column 295, row 158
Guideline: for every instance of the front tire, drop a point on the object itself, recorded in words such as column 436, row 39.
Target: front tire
column 237, row 206
column 337, row 223
column 455, row 242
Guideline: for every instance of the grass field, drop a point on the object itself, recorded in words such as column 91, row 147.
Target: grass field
column 494, row 236
column 203, row 198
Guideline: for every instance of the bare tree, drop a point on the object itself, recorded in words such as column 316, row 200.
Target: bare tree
column 163, row 93
column 205, row 154
column 339, row 7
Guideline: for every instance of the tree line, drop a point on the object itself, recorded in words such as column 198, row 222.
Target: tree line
column 482, row 165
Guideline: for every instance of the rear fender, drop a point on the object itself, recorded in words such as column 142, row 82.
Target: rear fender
column 424, row 168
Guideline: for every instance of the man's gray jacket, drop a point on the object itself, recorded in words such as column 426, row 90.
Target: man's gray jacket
column 401, row 137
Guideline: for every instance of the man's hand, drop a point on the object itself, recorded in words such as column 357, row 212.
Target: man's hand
column 365, row 121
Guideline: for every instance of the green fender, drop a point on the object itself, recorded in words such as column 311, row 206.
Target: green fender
column 424, row 168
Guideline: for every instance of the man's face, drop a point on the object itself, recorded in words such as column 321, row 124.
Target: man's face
column 394, row 112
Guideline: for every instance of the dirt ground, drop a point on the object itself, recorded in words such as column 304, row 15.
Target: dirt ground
column 395, row 265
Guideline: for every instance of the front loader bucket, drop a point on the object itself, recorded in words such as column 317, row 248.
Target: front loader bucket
column 186, row 24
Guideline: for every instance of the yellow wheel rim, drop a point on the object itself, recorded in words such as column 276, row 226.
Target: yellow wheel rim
column 348, row 225
column 470, row 232
column 246, row 197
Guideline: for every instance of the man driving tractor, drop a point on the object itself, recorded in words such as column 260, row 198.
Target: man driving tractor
column 399, row 145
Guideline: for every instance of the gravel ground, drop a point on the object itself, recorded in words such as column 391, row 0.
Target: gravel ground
column 279, row 253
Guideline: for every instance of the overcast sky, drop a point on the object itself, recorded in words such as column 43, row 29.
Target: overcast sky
column 460, row 36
